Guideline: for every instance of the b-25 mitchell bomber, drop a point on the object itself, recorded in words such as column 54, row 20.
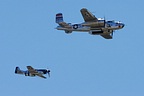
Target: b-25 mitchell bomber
column 33, row 72
column 93, row 25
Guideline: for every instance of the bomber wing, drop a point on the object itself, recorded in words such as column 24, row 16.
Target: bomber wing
column 88, row 16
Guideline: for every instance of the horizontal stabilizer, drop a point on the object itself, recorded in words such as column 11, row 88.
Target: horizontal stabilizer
column 18, row 71
column 60, row 21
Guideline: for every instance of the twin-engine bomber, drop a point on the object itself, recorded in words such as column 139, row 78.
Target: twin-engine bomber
column 93, row 25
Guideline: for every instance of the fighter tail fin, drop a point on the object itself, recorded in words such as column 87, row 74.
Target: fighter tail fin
column 17, row 69
column 59, row 17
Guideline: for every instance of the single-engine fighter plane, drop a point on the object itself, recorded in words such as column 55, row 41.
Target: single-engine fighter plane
column 33, row 72
column 93, row 25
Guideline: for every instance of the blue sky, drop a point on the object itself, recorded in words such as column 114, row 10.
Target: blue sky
column 81, row 64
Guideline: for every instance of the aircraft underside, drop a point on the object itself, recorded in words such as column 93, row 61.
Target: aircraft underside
column 92, row 31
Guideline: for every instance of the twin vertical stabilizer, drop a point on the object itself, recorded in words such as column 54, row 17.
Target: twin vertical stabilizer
column 59, row 18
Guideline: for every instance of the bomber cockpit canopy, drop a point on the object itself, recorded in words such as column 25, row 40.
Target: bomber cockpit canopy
column 112, row 21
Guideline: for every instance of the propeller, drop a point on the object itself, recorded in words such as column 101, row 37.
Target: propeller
column 112, row 33
column 48, row 71
column 104, row 21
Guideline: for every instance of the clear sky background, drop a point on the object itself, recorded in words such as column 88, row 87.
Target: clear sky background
column 81, row 64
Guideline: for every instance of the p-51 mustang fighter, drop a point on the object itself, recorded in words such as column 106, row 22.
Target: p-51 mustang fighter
column 93, row 25
column 33, row 72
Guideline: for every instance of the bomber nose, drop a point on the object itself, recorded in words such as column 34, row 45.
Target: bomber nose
column 121, row 25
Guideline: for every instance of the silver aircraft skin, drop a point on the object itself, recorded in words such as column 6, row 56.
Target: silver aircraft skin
column 33, row 72
column 93, row 25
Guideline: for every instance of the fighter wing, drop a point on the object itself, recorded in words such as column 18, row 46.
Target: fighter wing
column 88, row 16
column 107, row 36
column 31, row 70
column 40, row 75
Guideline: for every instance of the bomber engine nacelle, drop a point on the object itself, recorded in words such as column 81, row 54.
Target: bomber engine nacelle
column 95, row 32
column 68, row 32
column 100, row 23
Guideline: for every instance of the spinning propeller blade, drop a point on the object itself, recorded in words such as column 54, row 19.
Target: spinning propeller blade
column 48, row 71
column 112, row 33
column 104, row 21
